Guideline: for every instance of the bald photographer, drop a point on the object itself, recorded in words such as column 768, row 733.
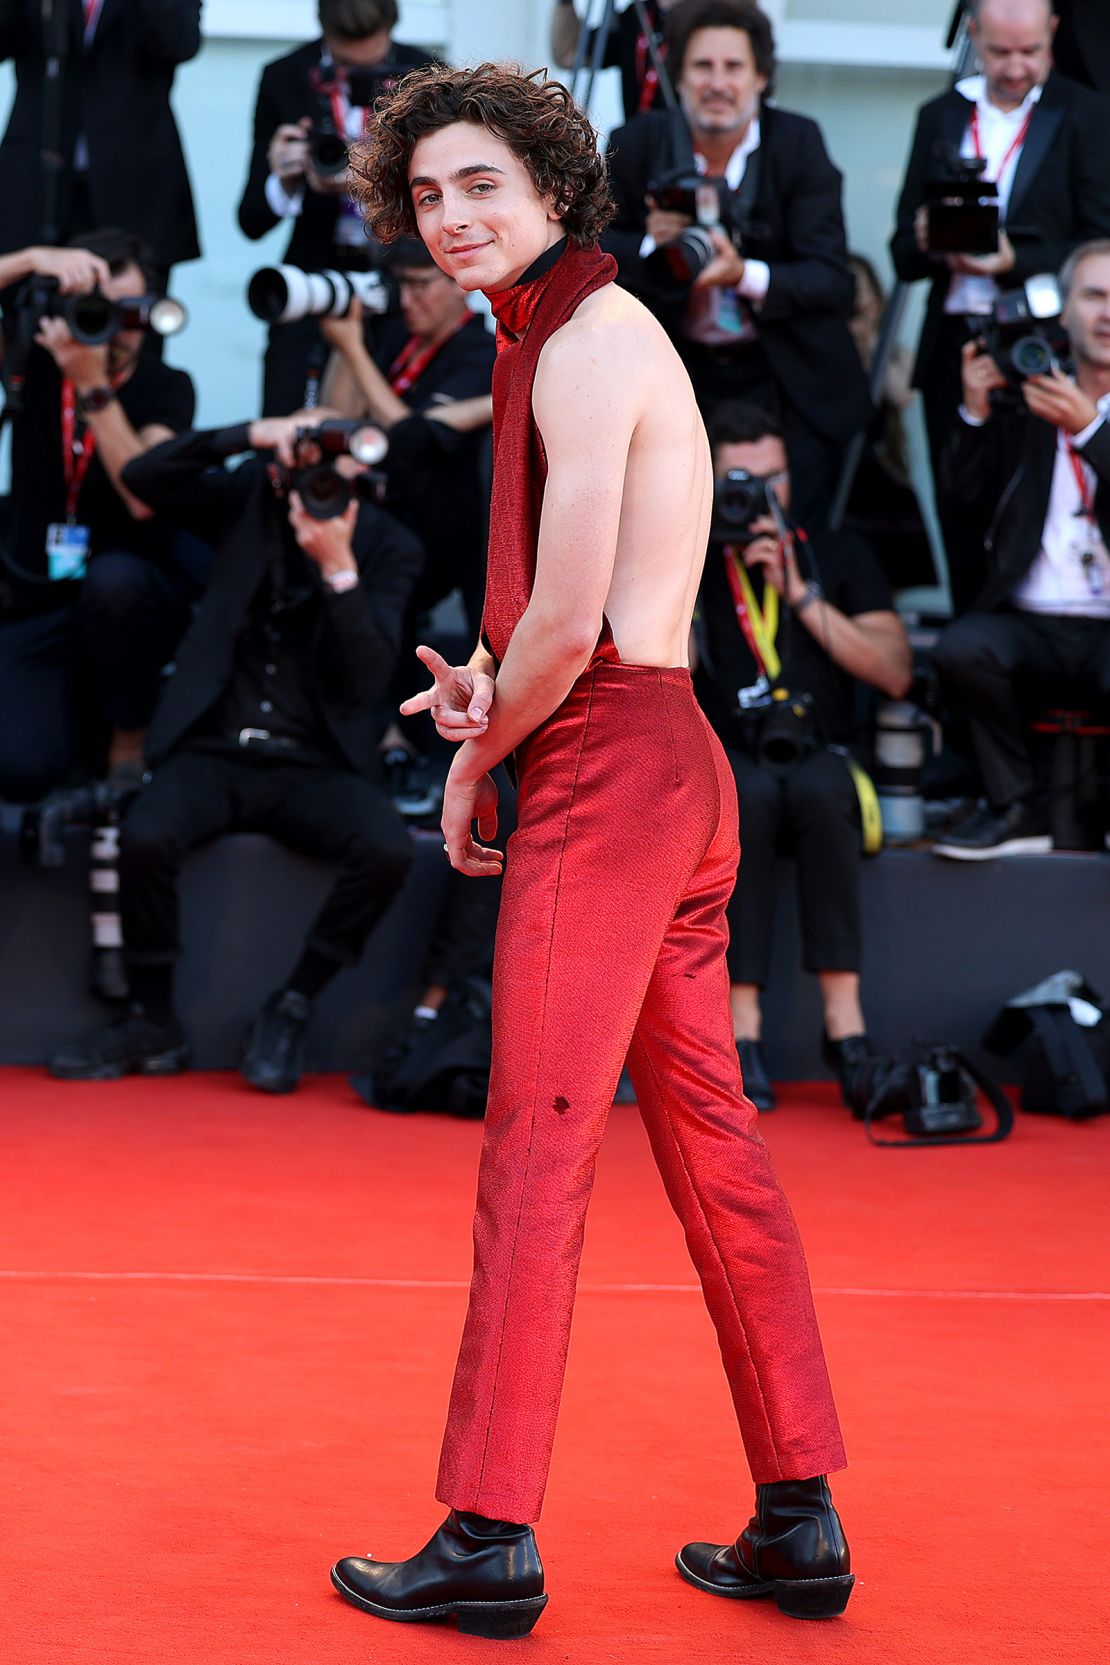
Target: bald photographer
column 268, row 723
column 787, row 624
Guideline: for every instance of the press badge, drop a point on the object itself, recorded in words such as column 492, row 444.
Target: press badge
column 67, row 551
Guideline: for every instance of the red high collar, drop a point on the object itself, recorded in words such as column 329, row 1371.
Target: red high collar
column 515, row 307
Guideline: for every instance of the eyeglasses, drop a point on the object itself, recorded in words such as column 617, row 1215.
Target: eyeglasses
column 419, row 283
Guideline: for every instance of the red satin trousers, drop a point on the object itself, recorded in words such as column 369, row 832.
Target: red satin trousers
column 611, row 942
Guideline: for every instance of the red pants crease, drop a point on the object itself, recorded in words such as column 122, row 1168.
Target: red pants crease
column 611, row 942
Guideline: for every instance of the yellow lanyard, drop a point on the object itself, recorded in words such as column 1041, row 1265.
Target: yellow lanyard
column 759, row 624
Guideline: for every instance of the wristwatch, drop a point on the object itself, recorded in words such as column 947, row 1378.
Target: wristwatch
column 345, row 579
column 94, row 399
column 813, row 592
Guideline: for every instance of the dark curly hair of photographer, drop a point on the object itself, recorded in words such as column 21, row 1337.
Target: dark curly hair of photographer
column 534, row 115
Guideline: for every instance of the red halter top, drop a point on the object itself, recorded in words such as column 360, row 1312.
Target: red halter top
column 527, row 315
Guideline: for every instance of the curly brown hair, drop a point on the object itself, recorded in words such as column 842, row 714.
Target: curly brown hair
column 535, row 116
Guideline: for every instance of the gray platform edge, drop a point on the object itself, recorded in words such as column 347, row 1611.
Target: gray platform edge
column 945, row 944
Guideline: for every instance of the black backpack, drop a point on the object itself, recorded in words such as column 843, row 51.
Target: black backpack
column 1060, row 1031
column 442, row 1066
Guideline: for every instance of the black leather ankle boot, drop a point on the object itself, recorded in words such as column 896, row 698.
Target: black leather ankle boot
column 793, row 1548
column 484, row 1573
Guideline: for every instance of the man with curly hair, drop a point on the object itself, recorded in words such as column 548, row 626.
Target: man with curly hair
column 612, row 930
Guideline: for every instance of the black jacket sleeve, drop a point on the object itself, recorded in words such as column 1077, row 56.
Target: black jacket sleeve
column 184, row 479
column 169, row 30
column 629, row 173
column 909, row 262
column 15, row 36
column 364, row 623
column 256, row 217
column 814, row 276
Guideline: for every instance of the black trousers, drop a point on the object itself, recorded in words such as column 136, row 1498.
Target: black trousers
column 810, row 809
column 987, row 660
column 323, row 811
column 941, row 397
column 723, row 374
column 65, row 673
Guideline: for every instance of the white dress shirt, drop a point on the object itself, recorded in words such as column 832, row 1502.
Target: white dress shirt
column 1071, row 574
column 997, row 131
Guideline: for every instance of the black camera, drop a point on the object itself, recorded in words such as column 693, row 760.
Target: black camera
column 43, row 827
column 710, row 203
column 780, row 727
column 323, row 490
column 285, row 294
column 962, row 210
column 93, row 319
column 1023, row 334
column 327, row 146
column 739, row 500
column 931, row 1090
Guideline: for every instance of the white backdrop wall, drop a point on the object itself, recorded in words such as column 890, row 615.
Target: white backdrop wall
column 844, row 62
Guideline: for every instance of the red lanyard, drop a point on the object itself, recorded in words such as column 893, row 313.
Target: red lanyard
column 646, row 73
column 1078, row 468
column 759, row 624
column 339, row 111
column 77, row 453
column 1015, row 143
column 92, row 13
column 412, row 361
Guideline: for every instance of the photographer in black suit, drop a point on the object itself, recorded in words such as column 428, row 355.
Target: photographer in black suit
column 781, row 612
column 1046, row 144
column 767, row 318
column 122, row 159
column 326, row 87
column 269, row 725
column 1034, row 484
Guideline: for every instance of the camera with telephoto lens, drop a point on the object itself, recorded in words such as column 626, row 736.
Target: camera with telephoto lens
column 286, row 294
column 43, row 827
column 962, row 210
column 93, row 319
column 323, row 490
column 327, row 146
column 1024, row 335
column 711, row 204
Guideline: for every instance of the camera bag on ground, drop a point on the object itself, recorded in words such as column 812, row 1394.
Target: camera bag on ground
column 935, row 1090
column 1060, row 1030
column 440, row 1066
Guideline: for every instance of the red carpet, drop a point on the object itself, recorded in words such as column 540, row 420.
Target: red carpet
column 228, row 1326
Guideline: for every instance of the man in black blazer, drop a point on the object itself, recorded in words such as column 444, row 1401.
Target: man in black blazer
column 765, row 321
column 268, row 723
column 1047, row 144
column 122, row 156
column 333, row 79
column 1034, row 486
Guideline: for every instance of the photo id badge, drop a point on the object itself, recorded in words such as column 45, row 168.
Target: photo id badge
column 67, row 551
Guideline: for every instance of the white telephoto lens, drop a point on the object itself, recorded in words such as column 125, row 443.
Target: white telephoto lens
column 167, row 316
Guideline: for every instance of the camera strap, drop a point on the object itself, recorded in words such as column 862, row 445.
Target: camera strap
column 412, row 361
column 760, row 625
column 77, row 450
column 1014, row 146
column 991, row 1091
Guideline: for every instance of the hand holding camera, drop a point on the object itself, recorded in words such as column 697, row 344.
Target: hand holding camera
column 981, row 377
column 85, row 365
column 726, row 268
column 75, row 271
column 327, row 543
column 288, row 154
column 1055, row 398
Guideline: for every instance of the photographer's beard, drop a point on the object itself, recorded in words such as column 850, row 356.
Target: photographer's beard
column 719, row 119
column 123, row 354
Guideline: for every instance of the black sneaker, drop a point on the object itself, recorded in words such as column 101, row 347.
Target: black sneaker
column 852, row 1060
column 987, row 833
column 134, row 1044
column 409, row 782
column 757, row 1083
column 273, row 1047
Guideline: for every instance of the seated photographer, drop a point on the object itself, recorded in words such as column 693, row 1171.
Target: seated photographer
column 785, row 624
column 267, row 724
column 757, row 294
column 1033, row 481
column 424, row 378
column 94, row 599
column 1043, row 142
column 311, row 102
column 626, row 49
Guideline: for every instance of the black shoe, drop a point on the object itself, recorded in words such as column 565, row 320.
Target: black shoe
column 793, row 1548
column 852, row 1061
column 757, row 1083
column 987, row 833
column 134, row 1044
column 484, row 1573
column 409, row 782
column 273, row 1047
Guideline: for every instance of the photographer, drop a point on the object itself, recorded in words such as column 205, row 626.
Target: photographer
column 118, row 141
column 267, row 724
column 1034, row 484
column 1044, row 142
column 309, row 103
column 766, row 317
column 419, row 373
column 83, row 648
column 626, row 49
column 779, row 612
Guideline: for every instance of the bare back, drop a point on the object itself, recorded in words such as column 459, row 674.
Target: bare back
column 667, row 493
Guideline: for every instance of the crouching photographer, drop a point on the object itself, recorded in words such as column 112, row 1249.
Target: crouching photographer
column 785, row 625
column 1030, row 466
column 267, row 723
column 94, row 597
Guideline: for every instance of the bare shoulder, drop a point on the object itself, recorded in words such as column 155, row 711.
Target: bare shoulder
column 612, row 343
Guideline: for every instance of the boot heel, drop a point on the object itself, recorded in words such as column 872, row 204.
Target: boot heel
column 813, row 1598
column 501, row 1623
